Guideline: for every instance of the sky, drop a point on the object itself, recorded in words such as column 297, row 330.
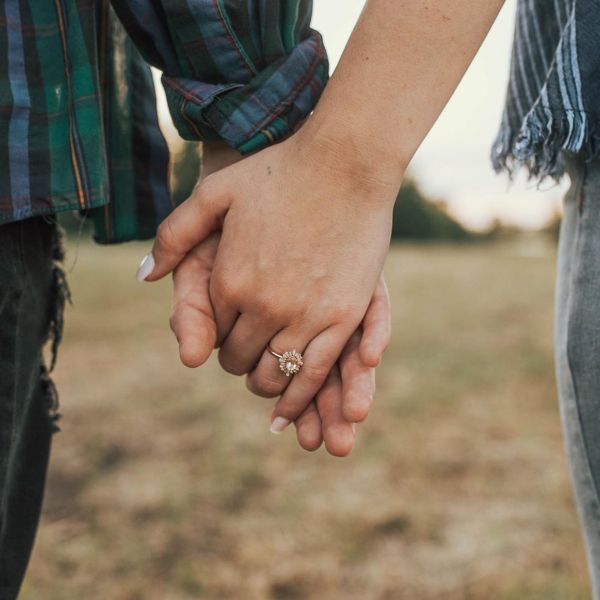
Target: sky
column 453, row 162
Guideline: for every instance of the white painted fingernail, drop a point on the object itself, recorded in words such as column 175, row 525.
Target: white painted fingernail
column 146, row 267
column 279, row 424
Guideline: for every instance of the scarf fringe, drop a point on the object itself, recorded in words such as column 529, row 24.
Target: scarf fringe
column 545, row 136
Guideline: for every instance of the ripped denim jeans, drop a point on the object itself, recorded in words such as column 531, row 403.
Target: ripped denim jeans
column 33, row 292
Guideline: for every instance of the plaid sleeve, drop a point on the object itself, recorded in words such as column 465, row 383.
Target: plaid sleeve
column 242, row 71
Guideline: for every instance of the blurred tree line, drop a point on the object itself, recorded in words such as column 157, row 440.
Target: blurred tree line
column 416, row 217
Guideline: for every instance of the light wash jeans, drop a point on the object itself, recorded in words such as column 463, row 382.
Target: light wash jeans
column 577, row 348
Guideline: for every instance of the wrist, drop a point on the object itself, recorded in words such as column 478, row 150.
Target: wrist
column 217, row 155
column 335, row 143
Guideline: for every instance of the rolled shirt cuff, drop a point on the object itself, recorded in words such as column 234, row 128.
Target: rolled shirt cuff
column 251, row 116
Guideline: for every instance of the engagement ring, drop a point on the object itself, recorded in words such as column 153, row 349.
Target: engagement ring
column 290, row 362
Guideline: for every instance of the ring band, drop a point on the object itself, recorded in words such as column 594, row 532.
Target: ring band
column 290, row 362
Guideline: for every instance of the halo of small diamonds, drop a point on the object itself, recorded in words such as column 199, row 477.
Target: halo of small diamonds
column 290, row 362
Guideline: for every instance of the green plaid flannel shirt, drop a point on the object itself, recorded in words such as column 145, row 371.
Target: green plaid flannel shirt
column 78, row 122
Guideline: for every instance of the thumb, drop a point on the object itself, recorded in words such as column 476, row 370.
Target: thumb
column 376, row 326
column 193, row 319
column 188, row 225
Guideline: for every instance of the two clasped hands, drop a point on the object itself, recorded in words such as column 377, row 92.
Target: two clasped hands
column 265, row 258
column 284, row 249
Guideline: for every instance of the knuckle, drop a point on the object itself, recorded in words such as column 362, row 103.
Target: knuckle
column 208, row 189
column 193, row 301
column 178, row 312
column 230, row 365
column 266, row 308
column 165, row 235
column 226, row 289
column 345, row 313
column 205, row 187
column 202, row 189
column 315, row 373
column 265, row 386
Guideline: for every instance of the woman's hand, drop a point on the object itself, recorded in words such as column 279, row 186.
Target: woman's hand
column 304, row 237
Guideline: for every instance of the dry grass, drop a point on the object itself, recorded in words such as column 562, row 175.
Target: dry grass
column 166, row 484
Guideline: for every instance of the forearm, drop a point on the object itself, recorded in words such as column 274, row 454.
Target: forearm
column 401, row 65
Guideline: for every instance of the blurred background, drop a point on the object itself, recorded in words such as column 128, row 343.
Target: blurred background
column 165, row 483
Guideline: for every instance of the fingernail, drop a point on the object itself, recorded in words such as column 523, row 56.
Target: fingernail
column 353, row 427
column 146, row 267
column 279, row 424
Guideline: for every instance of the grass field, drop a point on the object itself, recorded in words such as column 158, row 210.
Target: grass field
column 166, row 484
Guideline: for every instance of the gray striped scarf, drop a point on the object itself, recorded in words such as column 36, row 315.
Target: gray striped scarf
column 553, row 100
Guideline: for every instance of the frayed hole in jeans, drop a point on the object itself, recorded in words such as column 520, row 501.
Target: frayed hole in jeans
column 51, row 397
column 61, row 294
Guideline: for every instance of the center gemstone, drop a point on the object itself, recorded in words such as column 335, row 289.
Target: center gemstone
column 290, row 362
